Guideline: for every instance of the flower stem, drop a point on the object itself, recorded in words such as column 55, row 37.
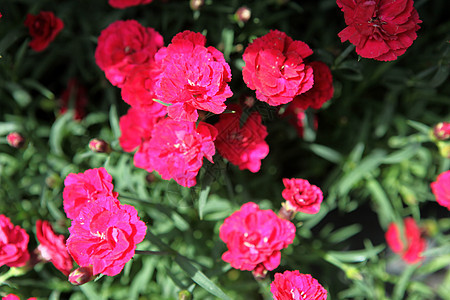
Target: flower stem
column 146, row 252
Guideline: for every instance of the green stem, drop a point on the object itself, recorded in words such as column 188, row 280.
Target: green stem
column 12, row 272
column 147, row 252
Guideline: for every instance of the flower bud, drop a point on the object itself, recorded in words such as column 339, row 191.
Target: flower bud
column 184, row 295
column 260, row 272
column 441, row 131
column 81, row 275
column 15, row 140
column 196, row 4
column 99, row 146
column 243, row 14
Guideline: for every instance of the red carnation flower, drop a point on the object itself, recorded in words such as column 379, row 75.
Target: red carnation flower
column 254, row 238
column 122, row 46
column 380, row 29
column 86, row 187
column 441, row 189
column 275, row 68
column 127, row 3
column 43, row 28
column 322, row 90
column 75, row 94
column 105, row 235
column 415, row 244
column 294, row 285
column 13, row 244
column 302, row 196
column 176, row 150
column 244, row 145
column 441, row 131
column 53, row 247
column 138, row 89
column 136, row 127
column 192, row 77
column 15, row 297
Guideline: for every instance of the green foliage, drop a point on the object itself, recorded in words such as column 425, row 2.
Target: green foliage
column 372, row 155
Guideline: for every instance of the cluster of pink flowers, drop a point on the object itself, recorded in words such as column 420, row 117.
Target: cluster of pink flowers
column 415, row 244
column 13, row 244
column 104, row 233
column 380, row 29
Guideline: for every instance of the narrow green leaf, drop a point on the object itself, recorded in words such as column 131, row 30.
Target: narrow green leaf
column 114, row 121
column 356, row 255
column 385, row 209
column 57, row 133
column 400, row 287
column 200, row 278
column 7, row 127
column 326, row 153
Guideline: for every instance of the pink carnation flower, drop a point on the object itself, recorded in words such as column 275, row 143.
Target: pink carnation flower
column 122, row 46
column 415, row 244
column 254, row 238
column 43, row 28
column 176, row 150
column 86, row 187
column 138, row 89
column 136, row 127
column 53, row 247
column 441, row 189
column 294, row 285
column 322, row 90
column 192, row 77
column 275, row 68
column 244, row 145
column 302, row 196
column 380, row 29
column 127, row 3
column 13, row 244
column 105, row 235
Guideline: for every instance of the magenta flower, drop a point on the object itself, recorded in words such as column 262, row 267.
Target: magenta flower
column 192, row 77
column 254, row 238
column 15, row 297
column 52, row 247
column 13, row 244
column 292, row 285
column 302, row 196
column 441, row 131
column 441, row 189
column 415, row 244
column 105, row 235
column 244, row 145
column 136, row 127
column 86, row 187
column 176, row 150
column 127, row 3
column 275, row 68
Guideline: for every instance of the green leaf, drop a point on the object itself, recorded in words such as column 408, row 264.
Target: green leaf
column 114, row 121
column 57, row 132
column 326, row 153
column 7, row 127
column 355, row 255
column 200, row 278
column 400, row 287
column 385, row 209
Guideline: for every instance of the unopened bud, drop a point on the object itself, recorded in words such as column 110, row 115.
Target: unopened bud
column 441, row 131
column 444, row 149
column 15, row 140
column 99, row 146
column 243, row 14
column 196, row 4
column 81, row 275
column 184, row 295
column 260, row 272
